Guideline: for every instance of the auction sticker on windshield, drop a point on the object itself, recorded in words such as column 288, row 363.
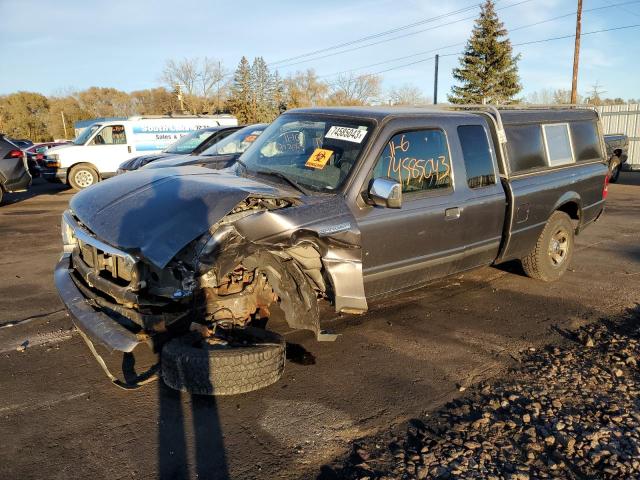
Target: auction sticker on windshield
column 319, row 158
column 355, row 135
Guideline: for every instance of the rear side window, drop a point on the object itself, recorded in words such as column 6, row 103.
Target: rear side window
column 558, row 144
column 477, row 156
column 525, row 147
column 586, row 143
column 419, row 160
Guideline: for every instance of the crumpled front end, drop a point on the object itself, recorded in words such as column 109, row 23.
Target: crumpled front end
column 266, row 250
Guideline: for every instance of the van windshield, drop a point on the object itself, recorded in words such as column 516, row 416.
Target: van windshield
column 316, row 152
column 86, row 134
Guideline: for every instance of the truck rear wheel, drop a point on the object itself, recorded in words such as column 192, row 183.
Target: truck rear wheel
column 552, row 254
column 83, row 176
column 250, row 359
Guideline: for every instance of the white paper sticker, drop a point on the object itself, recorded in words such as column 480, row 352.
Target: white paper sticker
column 355, row 135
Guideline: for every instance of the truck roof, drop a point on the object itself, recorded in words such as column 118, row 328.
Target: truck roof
column 510, row 115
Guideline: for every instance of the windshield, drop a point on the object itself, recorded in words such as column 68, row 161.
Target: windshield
column 86, row 133
column 313, row 151
column 237, row 142
column 188, row 143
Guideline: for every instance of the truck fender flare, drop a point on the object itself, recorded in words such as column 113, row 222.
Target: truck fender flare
column 571, row 203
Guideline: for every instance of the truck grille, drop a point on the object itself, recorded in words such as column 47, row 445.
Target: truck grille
column 106, row 263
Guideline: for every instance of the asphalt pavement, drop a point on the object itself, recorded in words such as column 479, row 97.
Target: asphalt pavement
column 61, row 418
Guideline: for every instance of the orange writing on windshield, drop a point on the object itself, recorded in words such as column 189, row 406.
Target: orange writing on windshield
column 409, row 170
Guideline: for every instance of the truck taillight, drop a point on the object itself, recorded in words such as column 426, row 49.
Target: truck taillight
column 605, row 190
column 14, row 154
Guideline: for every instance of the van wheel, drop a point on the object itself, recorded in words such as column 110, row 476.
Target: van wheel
column 82, row 176
column 239, row 361
column 552, row 254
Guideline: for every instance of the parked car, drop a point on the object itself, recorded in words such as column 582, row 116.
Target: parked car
column 35, row 156
column 14, row 172
column 220, row 155
column 102, row 147
column 617, row 153
column 336, row 206
column 190, row 144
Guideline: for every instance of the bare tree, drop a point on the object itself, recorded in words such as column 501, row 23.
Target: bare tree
column 355, row 90
column 304, row 89
column 407, row 94
column 203, row 81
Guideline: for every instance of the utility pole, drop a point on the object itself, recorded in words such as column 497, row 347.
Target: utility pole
column 64, row 124
column 576, row 55
column 180, row 96
column 435, row 81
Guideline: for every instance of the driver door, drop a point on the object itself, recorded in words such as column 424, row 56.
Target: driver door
column 109, row 148
column 422, row 240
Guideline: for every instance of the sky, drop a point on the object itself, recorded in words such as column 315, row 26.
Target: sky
column 53, row 47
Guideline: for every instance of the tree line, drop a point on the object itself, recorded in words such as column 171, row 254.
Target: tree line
column 253, row 93
column 487, row 73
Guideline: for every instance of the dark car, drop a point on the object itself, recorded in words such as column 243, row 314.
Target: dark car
column 35, row 156
column 193, row 143
column 21, row 143
column 617, row 152
column 329, row 208
column 219, row 155
column 14, row 172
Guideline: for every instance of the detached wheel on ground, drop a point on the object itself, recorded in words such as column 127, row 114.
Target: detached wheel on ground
column 241, row 361
column 552, row 254
column 83, row 176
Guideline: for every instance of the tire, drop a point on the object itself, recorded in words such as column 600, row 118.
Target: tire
column 190, row 365
column 82, row 176
column 615, row 171
column 1, row 194
column 552, row 254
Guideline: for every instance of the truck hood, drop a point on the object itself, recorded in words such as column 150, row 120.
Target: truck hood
column 156, row 213
column 211, row 161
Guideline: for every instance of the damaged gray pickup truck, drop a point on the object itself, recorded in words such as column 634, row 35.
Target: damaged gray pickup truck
column 336, row 205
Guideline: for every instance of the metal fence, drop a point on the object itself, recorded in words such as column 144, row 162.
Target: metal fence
column 624, row 119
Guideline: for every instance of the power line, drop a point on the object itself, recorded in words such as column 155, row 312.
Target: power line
column 394, row 38
column 376, row 35
column 544, row 40
column 424, row 52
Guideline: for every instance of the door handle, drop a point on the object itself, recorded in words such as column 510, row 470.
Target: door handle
column 452, row 213
column 129, row 148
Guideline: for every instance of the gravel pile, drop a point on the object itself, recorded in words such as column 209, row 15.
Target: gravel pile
column 570, row 411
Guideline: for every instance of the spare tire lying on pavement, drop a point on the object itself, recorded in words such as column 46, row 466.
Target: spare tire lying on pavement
column 247, row 359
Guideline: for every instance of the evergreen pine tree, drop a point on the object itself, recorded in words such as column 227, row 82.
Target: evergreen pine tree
column 262, row 87
column 241, row 95
column 279, row 96
column 488, row 70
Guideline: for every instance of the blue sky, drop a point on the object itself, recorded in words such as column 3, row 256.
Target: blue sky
column 53, row 46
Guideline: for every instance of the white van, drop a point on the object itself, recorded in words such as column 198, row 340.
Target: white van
column 101, row 147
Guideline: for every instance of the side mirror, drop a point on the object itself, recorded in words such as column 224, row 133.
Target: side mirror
column 385, row 192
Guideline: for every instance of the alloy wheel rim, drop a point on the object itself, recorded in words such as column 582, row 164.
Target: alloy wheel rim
column 558, row 247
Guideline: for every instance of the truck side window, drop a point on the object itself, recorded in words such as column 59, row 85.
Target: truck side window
column 477, row 156
column 419, row 160
column 111, row 135
column 558, row 144
column 525, row 147
column 586, row 143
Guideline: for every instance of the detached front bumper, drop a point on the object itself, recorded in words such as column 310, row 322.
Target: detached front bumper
column 96, row 326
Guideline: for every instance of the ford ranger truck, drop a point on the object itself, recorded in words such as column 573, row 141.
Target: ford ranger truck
column 329, row 206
